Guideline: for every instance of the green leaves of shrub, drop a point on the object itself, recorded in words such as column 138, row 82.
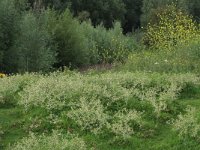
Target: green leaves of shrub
column 49, row 142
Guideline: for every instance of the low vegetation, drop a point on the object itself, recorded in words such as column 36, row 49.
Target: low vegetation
column 116, row 106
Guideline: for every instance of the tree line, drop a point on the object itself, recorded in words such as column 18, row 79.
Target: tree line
column 132, row 13
column 42, row 35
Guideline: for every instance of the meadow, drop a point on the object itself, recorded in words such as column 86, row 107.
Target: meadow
column 100, row 110
column 73, row 79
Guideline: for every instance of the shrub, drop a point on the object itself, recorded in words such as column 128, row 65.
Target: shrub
column 90, row 43
column 89, row 114
column 110, row 45
column 49, row 142
column 69, row 39
column 12, row 85
column 57, row 91
column 101, row 102
column 187, row 125
column 170, row 30
column 122, row 123
column 2, row 75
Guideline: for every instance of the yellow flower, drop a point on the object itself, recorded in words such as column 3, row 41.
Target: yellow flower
column 2, row 75
column 171, row 30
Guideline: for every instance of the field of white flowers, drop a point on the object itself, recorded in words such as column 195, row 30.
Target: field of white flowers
column 110, row 110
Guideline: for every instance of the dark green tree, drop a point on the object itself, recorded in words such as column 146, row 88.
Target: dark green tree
column 32, row 50
column 70, row 40
column 194, row 8
column 59, row 5
column 101, row 11
column 132, row 16
column 8, row 17
column 150, row 7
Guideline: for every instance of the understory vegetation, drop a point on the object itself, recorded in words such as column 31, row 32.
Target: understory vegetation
column 119, row 107
column 73, row 78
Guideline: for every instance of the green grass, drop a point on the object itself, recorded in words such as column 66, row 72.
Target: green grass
column 13, row 121
column 153, row 134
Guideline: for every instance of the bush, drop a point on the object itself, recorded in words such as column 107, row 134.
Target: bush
column 105, row 102
column 90, row 43
column 69, row 39
column 89, row 115
column 12, row 85
column 109, row 45
column 187, row 125
column 49, row 142
column 122, row 125
column 170, row 30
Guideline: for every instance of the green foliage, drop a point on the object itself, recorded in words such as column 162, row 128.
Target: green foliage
column 187, row 125
column 88, row 32
column 8, row 19
column 170, row 29
column 49, row 142
column 194, row 9
column 32, row 50
column 1, row 133
column 89, row 114
column 121, row 125
column 182, row 60
column 109, row 45
column 70, row 40
column 172, row 44
column 13, row 85
column 61, row 40
column 111, row 108
column 150, row 8
column 90, row 103
column 132, row 15
column 103, row 11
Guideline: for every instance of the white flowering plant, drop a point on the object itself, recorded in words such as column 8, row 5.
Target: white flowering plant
column 54, row 141
column 188, row 124
column 119, row 103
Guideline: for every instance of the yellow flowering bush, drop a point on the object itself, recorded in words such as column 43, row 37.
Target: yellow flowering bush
column 171, row 28
column 2, row 75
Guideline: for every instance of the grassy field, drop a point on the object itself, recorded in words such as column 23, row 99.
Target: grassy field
column 104, row 111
